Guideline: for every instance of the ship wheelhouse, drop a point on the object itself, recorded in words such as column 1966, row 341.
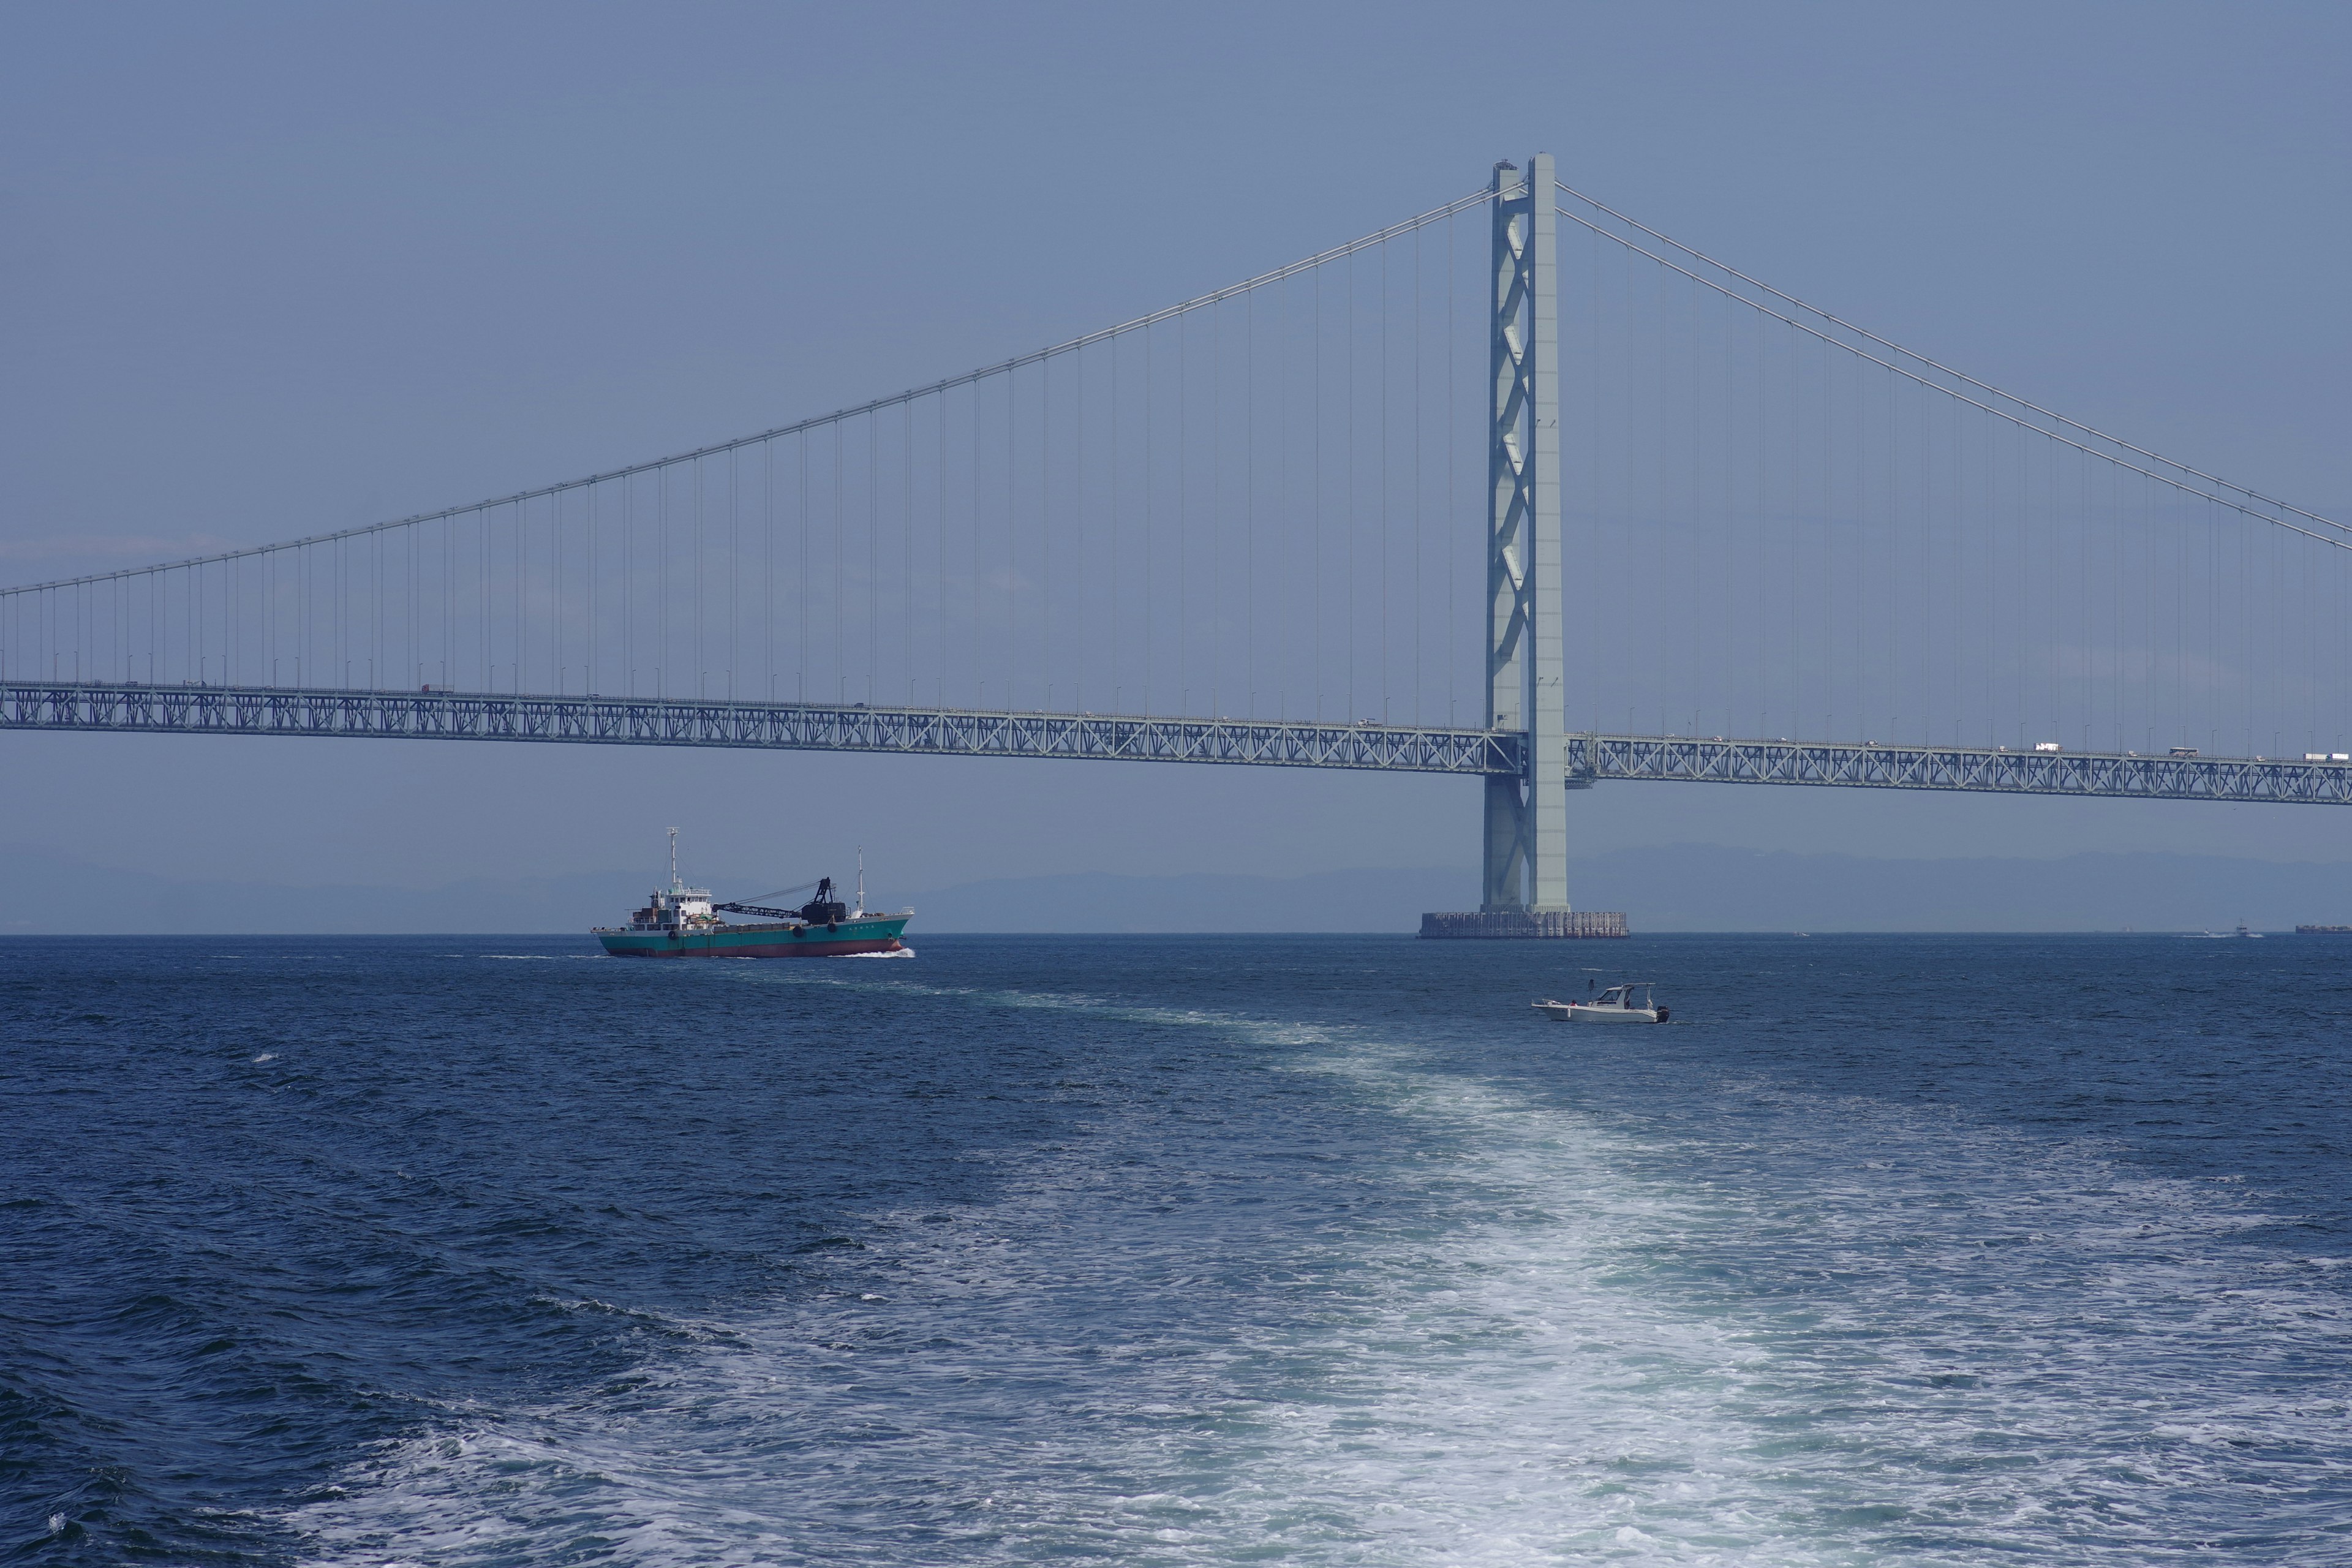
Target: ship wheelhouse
column 675, row 908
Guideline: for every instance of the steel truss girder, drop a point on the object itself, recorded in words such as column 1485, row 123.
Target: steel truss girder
column 1989, row 769
column 1396, row 748
column 779, row 726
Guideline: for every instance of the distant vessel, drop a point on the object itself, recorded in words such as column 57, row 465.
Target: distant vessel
column 679, row 921
column 2323, row 931
column 2225, row 935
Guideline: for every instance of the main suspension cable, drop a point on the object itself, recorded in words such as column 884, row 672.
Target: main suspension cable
column 836, row 416
column 1933, row 364
column 1909, row 375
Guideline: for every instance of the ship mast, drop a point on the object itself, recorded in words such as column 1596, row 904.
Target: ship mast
column 673, row 860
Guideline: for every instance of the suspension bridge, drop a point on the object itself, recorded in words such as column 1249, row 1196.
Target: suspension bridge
column 1454, row 497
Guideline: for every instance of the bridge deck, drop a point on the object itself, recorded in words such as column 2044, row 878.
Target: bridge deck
column 1976, row 768
column 801, row 726
column 779, row 726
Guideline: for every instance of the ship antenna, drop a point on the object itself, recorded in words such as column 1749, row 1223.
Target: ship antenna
column 861, row 879
column 673, row 859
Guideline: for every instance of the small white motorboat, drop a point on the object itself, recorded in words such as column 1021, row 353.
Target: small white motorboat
column 1632, row 1004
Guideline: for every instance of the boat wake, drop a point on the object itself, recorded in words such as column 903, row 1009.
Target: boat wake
column 1549, row 1335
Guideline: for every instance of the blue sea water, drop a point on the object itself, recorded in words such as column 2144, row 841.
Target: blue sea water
column 1172, row 1251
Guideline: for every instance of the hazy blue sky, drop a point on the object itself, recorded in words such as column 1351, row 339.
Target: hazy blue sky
column 266, row 270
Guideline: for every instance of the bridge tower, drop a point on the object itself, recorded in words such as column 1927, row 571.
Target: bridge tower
column 1527, row 817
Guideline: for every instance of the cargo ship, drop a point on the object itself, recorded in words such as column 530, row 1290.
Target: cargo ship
column 679, row 921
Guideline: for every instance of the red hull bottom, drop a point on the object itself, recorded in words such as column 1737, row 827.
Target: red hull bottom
column 768, row 949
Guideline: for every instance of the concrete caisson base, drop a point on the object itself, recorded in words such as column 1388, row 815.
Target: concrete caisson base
column 1511, row 924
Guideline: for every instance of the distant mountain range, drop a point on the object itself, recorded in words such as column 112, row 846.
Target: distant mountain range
column 1687, row 887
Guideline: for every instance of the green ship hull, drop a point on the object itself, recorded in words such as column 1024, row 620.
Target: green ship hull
column 872, row 933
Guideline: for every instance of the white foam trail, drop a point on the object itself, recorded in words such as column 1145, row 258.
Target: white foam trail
column 1520, row 1332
